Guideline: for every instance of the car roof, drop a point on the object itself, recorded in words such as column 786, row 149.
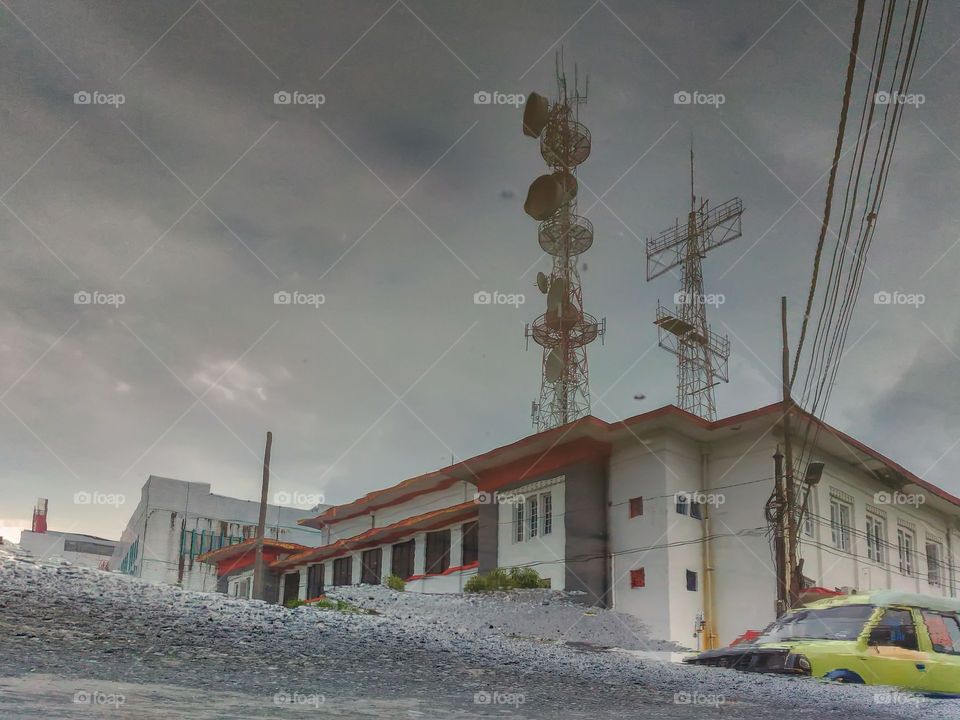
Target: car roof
column 884, row 598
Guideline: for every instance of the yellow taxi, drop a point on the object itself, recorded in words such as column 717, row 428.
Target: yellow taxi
column 883, row 637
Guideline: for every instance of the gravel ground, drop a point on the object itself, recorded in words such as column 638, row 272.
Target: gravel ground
column 545, row 615
column 80, row 643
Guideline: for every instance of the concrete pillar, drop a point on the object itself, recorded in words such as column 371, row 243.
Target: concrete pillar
column 420, row 553
column 456, row 546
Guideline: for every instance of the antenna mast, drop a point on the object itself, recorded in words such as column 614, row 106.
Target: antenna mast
column 702, row 355
column 564, row 330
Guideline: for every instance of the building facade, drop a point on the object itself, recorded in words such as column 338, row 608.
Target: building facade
column 176, row 521
column 84, row 550
column 661, row 516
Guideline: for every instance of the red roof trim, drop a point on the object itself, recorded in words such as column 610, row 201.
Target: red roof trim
column 448, row 571
column 532, row 465
column 574, row 430
column 241, row 547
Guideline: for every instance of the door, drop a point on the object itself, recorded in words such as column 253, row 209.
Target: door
column 315, row 581
column 401, row 559
column 893, row 655
column 943, row 631
column 370, row 570
column 291, row 587
column 343, row 571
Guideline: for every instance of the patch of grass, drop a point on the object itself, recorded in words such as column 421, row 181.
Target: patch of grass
column 503, row 579
column 395, row 582
column 341, row 606
column 293, row 603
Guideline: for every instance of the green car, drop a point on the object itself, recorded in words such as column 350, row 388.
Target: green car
column 883, row 637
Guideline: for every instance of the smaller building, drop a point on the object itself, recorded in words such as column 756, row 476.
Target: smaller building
column 84, row 550
column 235, row 565
column 178, row 521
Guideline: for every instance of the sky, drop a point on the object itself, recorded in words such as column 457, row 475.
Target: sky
column 182, row 197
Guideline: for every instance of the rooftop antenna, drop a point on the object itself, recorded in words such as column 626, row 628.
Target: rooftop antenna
column 702, row 355
column 564, row 330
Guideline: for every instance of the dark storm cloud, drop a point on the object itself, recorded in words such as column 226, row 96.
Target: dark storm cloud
column 288, row 204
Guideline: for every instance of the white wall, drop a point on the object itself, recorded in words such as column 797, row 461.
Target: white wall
column 456, row 494
column 635, row 471
column 741, row 469
column 52, row 544
column 545, row 553
column 167, row 506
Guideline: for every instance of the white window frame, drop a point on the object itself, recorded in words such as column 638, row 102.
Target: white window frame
column 533, row 517
column 840, row 526
column 934, row 576
column 906, row 547
column 876, row 534
column 809, row 529
column 518, row 520
column 546, row 512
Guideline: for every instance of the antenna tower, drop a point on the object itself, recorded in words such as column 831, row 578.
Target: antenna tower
column 564, row 330
column 702, row 354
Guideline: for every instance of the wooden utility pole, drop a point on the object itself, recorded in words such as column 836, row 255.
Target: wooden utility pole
column 779, row 544
column 790, row 490
column 261, row 524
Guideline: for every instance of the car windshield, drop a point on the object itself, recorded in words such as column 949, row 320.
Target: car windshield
column 837, row 623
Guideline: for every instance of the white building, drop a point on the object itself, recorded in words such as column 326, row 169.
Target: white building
column 660, row 515
column 84, row 550
column 176, row 521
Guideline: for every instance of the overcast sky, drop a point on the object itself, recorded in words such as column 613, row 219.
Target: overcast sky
column 397, row 199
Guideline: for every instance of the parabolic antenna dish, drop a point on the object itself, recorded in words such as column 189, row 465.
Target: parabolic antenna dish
column 542, row 283
column 535, row 114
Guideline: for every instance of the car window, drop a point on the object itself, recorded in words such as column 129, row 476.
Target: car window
column 944, row 632
column 844, row 622
column 895, row 629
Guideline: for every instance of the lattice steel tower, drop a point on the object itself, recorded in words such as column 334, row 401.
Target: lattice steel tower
column 564, row 330
column 702, row 354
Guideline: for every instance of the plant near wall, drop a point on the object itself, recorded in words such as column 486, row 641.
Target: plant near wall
column 395, row 582
column 502, row 579
column 293, row 603
column 525, row 577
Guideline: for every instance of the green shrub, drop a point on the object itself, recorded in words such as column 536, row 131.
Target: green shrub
column 525, row 578
column 499, row 579
column 503, row 579
column 293, row 603
column 477, row 583
column 395, row 582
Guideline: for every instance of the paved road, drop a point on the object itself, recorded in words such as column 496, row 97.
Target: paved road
column 79, row 644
